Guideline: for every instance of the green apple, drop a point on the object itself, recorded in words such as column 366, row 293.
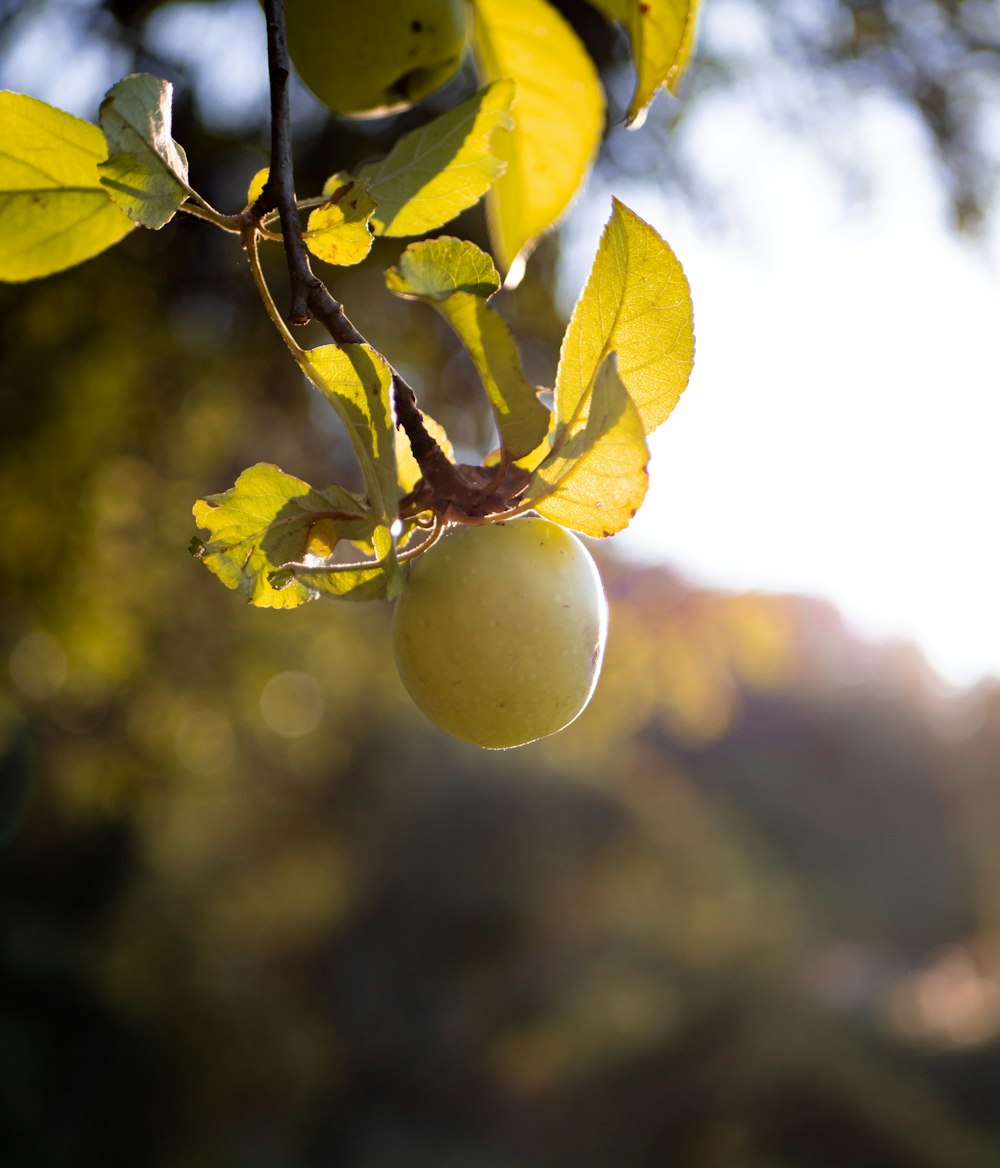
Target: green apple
column 499, row 632
column 375, row 56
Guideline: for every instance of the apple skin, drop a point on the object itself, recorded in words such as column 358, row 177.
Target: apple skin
column 377, row 56
column 499, row 632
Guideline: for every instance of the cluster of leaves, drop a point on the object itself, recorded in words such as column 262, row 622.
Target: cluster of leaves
column 69, row 189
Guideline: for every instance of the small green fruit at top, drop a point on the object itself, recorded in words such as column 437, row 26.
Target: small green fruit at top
column 375, row 56
column 499, row 632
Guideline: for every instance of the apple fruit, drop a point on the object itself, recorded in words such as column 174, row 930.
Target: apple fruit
column 499, row 632
column 375, row 56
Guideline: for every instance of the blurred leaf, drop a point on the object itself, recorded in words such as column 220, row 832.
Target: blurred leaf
column 54, row 213
column 594, row 480
column 435, row 268
column 339, row 230
column 146, row 172
column 267, row 519
column 455, row 276
column 636, row 303
column 558, row 118
column 437, row 171
column 357, row 382
column 662, row 34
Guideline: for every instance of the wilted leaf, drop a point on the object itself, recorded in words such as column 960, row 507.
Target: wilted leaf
column 357, row 382
column 146, row 172
column 558, row 118
column 594, row 480
column 637, row 304
column 434, row 269
column 54, row 213
column 339, row 230
column 455, row 277
column 437, row 171
column 662, row 35
column 267, row 519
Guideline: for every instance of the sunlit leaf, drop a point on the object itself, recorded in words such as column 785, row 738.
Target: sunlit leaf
column 339, row 230
column 558, row 118
column 54, row 213
column 637, row 304
column 455, row 276
column 662, row 34
column 358, row 384
column 594, row 480
column 438, row 170
column 257, row 184
column 338, row 581
column 407, row 466
column 267, row 519
column 434, row 269
column 146, row 172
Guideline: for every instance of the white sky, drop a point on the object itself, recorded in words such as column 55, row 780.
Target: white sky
column 839, row 436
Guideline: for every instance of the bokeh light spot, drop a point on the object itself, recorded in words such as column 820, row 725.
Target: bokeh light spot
column 205, row 743
column 38, row 665
column 292, row 704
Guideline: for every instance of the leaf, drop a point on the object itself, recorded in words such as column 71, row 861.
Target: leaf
column 267, row 519
column 595, row 480
column 662, row 34
column 338, row 581
column 434, row 269
column 54, row 213
column 407, row 466
column 339, row 231
column 146, row 172
column 636, row 303
column 437, row 171
column 455, row 276
column 357, row 382
column 257, row 184
column 558, row 119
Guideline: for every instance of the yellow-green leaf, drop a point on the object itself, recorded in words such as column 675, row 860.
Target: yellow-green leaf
column 146, row 172
column 54, row 213
column 357, row 382
column 435, row 172
column 342, row 582
column 267, row 519
column 594, row 480
column 435, row 269
column 455, row 276
column 407, row 466
column 521, row 419
column 339, row 230
column 558, row 119
column 636, row 303
column 257, row 184
column 662, row 34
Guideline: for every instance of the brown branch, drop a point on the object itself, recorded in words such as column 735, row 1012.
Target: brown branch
column 310, row 298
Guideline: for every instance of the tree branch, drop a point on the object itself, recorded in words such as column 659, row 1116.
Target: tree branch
column 310, row 298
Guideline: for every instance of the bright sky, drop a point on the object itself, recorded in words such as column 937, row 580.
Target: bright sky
column 840, row 433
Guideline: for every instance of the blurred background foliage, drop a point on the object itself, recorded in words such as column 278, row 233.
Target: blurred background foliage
column 255, row 912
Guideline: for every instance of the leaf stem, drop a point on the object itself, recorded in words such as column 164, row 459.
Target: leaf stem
column 249, row 240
